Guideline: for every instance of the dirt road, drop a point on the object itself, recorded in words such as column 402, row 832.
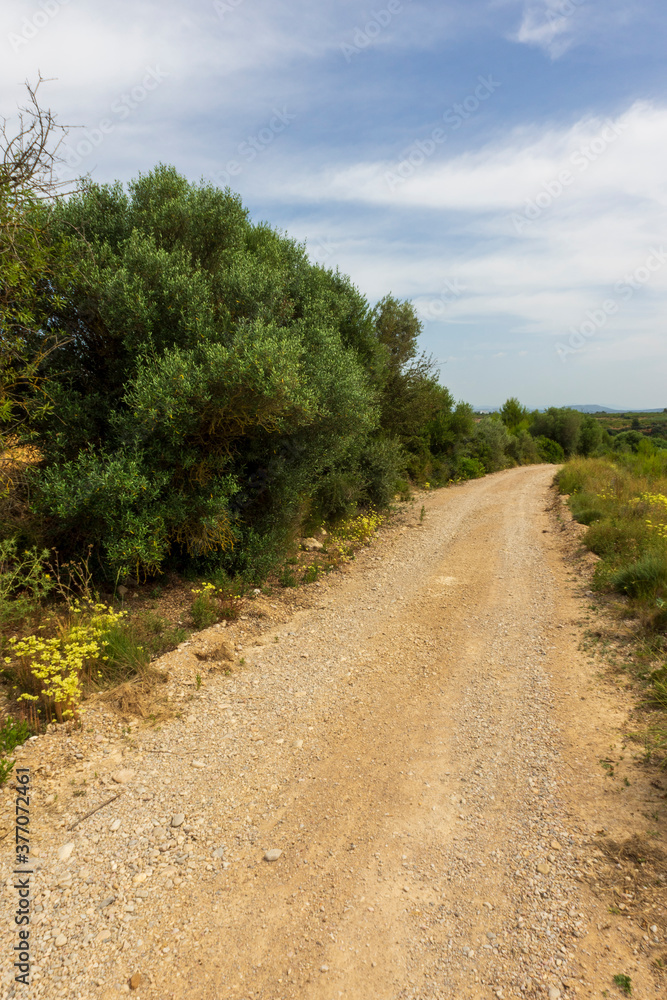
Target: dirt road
column 421, row 744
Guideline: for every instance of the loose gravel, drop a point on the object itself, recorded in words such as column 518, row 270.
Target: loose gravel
column 392, row 796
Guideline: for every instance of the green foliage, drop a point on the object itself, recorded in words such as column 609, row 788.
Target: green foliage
column 628, row 441
column 522, row 448
column 549, row 451
column 450, row 427
column 624, row 983
column 585, row 514
column 288, row 577
column 311, row 574
column 647, row 577
column 560, row 425
column 13, row 734
column 125, row 654
column 155, row 634
column 591, row 436
column 214, row 376
column 513, row 414
column 627, row 514
column 204, row 610
column 35, row 272
column 490, row 443
column 24, row 582
column 409, row 391
column 469, row 468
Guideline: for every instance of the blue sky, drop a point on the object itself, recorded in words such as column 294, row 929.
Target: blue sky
column 499, row 162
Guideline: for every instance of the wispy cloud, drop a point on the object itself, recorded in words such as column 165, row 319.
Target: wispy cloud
column 550, row 24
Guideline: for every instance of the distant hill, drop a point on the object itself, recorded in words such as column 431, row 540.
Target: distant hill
column 594, row 408
column 582, row 407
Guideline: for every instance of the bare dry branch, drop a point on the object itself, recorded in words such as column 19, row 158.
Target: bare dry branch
column 29, row 158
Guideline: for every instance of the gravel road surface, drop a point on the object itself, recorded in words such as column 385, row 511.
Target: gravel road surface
column 415, row 748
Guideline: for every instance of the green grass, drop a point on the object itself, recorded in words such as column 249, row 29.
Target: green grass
column 203, row 612
column 623, row 503
column 645, row 578
column 127, row 655
column 288, row 577
column 624, row 983
column 311, row 574
column 156, row 634
column 13, row 734
column 625, row 528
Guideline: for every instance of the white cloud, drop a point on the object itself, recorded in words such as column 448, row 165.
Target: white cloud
column 459, row 220
column 549, row 24
column 555, row 26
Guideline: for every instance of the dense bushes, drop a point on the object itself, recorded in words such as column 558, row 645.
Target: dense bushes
column 209, row 379
column 210, row 389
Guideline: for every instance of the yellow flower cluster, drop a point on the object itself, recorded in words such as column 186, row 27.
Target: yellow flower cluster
column 358, row 529
column 57, row 664
column 658, row 500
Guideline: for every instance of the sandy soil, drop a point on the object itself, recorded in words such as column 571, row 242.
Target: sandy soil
column 421, row 739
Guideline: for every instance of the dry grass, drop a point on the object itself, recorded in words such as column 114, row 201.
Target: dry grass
column 632, row 879
column 140, row 697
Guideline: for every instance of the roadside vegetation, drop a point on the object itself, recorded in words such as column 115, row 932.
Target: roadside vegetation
column 621, row 497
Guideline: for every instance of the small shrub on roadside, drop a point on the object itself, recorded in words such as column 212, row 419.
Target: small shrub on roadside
column 587, row 515
column 624, row 984
column 618, row 540
column 469, row 468
column 125, row 654
column 13, row 734
column 204, row 611
column 357, row 529
column 288, row 578
column 311, row 574
column 647, row 577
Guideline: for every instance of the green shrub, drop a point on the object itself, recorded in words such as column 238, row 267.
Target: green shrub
column 204, row 610
column 587, row 515
column 338, row 493
column 550, row 451
column 523, row 448
column 156, row 635
column 214, row 375
column 616, row 539
column 647, row 577
column 561, row 425
column 13, row 734
column 381, row 463
column 490, row 443
column 24, row 581
column 288, row 577
column 468, row 468
column 311, row 574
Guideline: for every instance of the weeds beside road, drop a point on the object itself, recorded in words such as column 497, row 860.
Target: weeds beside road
column 623, row 503
column 61, row 642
